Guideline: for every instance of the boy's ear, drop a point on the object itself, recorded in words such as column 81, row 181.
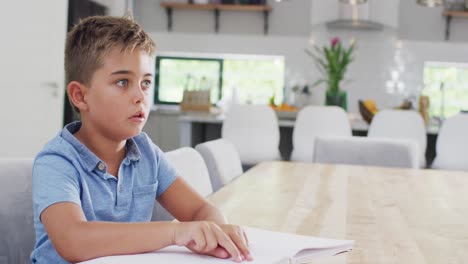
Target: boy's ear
column 76, row 93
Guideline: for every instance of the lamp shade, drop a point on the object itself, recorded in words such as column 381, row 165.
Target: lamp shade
column 353, row 2
column 430, row 3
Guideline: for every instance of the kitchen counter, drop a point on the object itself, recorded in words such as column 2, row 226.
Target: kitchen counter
column 285, row 119
column 197, row 127
column 357, row 124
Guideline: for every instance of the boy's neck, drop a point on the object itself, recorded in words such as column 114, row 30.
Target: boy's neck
column 110, row 151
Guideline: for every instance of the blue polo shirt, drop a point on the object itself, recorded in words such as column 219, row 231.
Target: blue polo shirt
column 67, row 171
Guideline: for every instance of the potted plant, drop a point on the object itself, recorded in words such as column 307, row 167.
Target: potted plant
column 332, row 61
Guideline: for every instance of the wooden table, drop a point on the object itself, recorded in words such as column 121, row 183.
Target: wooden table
column 395, row 215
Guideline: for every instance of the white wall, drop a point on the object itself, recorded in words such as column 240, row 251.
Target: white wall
column 296, row 18
column 116, row 7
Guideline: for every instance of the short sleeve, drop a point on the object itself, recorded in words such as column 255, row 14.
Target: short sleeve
column 54, row 180
column 166, row 172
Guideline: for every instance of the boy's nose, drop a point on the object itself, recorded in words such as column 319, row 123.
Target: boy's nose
column 139, row 95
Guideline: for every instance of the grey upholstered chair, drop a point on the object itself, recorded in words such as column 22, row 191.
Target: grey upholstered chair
column 382, row 152
column 16, row 213
column 222, row 160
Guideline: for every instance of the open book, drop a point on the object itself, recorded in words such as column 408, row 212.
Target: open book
column 267, row 247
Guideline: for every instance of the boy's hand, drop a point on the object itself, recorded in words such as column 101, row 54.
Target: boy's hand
column 209, row 238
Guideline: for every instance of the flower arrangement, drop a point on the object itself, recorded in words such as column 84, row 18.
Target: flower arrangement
column 332, row 62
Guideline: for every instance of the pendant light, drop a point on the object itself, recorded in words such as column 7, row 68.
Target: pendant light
column 430, row 3
column 353, row 2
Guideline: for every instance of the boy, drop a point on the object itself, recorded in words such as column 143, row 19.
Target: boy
column 100, row 172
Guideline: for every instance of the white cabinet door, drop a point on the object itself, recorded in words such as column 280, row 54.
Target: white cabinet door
column 31, row 68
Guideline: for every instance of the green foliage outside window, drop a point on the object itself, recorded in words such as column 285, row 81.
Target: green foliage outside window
column 256, row 80
column 453, row 96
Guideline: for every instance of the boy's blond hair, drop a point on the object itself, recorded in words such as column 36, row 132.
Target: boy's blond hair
column 93, row 38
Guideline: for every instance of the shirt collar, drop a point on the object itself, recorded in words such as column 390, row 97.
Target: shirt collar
column 91, row 161
column 132, row 151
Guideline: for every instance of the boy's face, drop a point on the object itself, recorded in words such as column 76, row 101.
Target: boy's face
column 118, row 96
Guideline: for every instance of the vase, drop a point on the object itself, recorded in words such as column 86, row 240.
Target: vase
column 337, row 98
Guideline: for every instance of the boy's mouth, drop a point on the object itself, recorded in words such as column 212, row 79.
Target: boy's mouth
column 138, row 116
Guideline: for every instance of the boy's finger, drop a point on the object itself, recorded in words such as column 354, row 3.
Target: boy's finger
column 247, row 242
column 225, row 241
column 211, row 241
column 239, row 240
column 246, row 238
column 219, row 252
column 200, row 241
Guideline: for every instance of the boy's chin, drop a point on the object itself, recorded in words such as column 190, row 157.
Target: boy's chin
column 131, row 133
column 135, row 133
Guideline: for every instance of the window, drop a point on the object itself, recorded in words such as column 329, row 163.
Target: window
column 176, row 74
column 446, row 84
column 256, row 78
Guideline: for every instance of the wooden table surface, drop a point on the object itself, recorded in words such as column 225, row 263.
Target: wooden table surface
column 394, row 215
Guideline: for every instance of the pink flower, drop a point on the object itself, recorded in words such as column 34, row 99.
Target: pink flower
column 335, row 41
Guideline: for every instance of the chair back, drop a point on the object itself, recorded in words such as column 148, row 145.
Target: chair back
column 366, row 151
column 313, row 121
column 191, row 167
column 452, row 142
column 400, row 124
column 254, row 131
column 16, row 211
column 222, row 160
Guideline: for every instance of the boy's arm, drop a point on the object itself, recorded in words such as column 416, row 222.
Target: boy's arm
column 185, row 204
column 76, row 239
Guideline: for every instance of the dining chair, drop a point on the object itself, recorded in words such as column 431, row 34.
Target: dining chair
column 452, row 142
column 16, row 211
column 400, row 124
column 222, row 160
column 313, row 121
column 189, row 165
column 254, row 131
column 381, row 152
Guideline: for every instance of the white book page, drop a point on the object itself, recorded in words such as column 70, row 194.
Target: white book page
column 278, row 247
column 266, row 247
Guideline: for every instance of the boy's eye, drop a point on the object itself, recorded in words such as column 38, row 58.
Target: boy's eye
column 146, row 84
column 122, row 83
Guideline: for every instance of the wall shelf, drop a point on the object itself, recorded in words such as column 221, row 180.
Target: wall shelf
column 216, row 8
column 449, row 14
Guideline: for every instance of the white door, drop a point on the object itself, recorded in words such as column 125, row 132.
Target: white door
column 31, row 69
